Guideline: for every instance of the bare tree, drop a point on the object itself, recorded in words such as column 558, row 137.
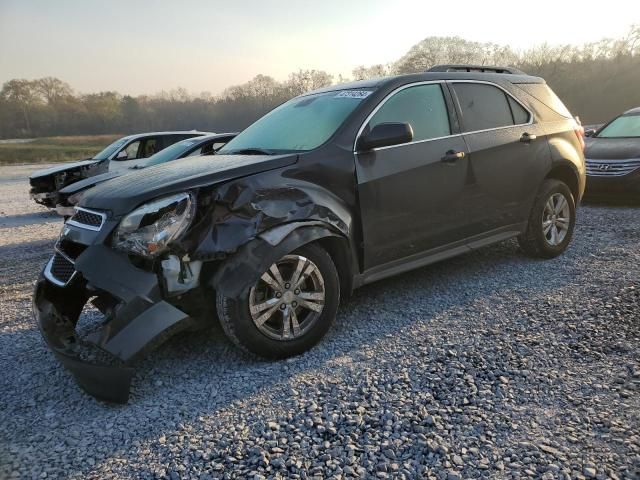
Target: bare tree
column 23, row 94
column 596, row 81
column 452, row 50
column 53, row 89
column 306, row 80
column 364, row 73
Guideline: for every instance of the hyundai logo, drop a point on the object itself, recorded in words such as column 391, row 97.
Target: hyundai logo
column 604, row 167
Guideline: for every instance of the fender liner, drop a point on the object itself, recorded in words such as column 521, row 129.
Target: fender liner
column 236, row 274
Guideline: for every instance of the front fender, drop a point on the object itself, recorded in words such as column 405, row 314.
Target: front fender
column 241, row 211
column 239, row 272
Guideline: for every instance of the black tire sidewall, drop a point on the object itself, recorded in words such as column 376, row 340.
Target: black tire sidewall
column 551, row 187
column 239, row 326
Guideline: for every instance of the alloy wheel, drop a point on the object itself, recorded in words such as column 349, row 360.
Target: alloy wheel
column 556, row 219
column 288, row 298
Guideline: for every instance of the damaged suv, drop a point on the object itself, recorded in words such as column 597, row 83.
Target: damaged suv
column 330, row 191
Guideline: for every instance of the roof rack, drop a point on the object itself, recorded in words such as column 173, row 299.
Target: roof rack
column 475, row 68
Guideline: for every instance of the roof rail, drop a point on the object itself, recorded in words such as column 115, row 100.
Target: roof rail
column 475, row 68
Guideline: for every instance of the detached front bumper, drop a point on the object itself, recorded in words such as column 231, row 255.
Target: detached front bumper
column 48, row 199
column 136, row 320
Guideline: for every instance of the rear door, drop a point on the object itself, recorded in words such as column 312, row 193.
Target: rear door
column 410, row 200
column 507, row 152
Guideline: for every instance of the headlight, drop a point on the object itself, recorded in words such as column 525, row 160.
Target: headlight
column 149, row 229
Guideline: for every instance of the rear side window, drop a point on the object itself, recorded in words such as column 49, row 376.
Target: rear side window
column 422, row 106
column 520, row 115
column 542, row 93
column 483, row 106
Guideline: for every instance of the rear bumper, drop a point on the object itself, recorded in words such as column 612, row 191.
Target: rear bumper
column 136, row 320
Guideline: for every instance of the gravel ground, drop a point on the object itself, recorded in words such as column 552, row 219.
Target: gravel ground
column 488, row 365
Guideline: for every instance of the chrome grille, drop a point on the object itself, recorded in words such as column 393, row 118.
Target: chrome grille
column 60, row 270
column 88, row 219
column 611, row 168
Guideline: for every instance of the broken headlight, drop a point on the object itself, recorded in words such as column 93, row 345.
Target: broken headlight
column 149, row 229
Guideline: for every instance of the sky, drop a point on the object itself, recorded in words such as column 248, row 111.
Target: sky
column 145, row 46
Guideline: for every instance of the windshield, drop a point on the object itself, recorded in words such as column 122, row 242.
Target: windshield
column 110, row 150
column 621, row 127
column 300, row 124
column 170, row 153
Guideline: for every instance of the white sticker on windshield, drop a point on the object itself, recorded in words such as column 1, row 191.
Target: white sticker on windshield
column 353, row 94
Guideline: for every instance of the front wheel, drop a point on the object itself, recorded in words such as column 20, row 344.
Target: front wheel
column 288, row 309
column 551, row 221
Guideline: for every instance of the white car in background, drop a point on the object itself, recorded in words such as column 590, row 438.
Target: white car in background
column 122, row 154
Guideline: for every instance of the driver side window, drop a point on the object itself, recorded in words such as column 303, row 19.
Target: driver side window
column 132, row 150
column 421, row 106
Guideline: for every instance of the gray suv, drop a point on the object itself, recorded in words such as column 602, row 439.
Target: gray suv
column 330, row 191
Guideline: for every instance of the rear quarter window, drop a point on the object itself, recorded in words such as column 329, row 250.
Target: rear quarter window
column 544, row 94
column 520, row 115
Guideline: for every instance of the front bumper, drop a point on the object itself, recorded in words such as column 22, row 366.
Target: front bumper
column 48, row 199
column 613, row 186
column 136, row 320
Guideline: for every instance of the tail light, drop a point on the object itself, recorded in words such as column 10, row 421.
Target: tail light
column 579, row 130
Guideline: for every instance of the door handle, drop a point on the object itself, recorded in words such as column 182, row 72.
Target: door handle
column 527, row 137
column 452, row 156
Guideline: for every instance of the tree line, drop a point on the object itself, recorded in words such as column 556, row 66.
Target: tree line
column 596, row 81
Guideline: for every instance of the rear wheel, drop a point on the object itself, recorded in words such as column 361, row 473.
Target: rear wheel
column 551, row 221
column 288, row 309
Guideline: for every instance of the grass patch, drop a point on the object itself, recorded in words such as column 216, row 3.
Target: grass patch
column 54, row 149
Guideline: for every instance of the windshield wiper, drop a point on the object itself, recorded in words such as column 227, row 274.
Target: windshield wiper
column 251, row 151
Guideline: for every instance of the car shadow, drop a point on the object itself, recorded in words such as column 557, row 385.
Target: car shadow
column 197, row 373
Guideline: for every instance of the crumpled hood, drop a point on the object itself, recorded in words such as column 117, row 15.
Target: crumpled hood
column 63, row 167
column 90, row 182
column 122, row 194
column 612, row 148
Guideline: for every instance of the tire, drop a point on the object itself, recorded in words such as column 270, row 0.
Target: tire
column 238, row 321
column 536, row 241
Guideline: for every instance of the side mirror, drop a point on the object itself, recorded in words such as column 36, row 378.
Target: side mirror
column 590, row 132
column 385, row 135
column 122, row 155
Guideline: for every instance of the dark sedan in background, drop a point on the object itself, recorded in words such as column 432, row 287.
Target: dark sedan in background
column 194, row 146
column 613, row 158
column 120, row 155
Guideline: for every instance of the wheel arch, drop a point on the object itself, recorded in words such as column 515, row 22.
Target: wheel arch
column 568, row 174
column 567, row 162
column 238, row 272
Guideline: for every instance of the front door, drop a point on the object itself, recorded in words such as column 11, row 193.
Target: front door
column 135, row 153
column 411, row 200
